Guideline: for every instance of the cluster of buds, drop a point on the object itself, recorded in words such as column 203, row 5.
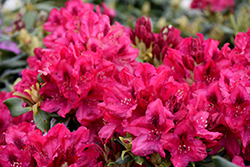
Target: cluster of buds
column 153, row 46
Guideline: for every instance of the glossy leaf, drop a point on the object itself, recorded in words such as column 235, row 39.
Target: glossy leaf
column 222, row 162
column 42, row 120
column 119, row 161
column 15, row 107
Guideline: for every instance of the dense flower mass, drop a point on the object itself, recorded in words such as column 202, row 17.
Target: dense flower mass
column 92, row 104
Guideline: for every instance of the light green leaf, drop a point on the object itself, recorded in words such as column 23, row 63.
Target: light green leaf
column 139, row 160
column 138, row 59
column 123, row 153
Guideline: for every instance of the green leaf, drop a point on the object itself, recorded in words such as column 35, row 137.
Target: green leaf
column 233, row 23
column 226, row 29
column 119, row 141
column 7, row 73
column 4, row 37
column 148, row 164
column 29, row 19
column 128, row 135
column 42, row 120
column 39, row 78
column 119, row 161
column 123, row 153
column 138, row 59
column 54, row 115
column 222, row 162
column 139, row 160
column 47, row 6
column 15, row 106
column 14, row 62
column 61, row 120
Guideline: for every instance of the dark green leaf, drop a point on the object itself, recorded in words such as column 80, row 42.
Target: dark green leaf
column 15, row 106
column 60, row 120
column 42, row 120
column 119, row 141
column 123, row 153
column 119, row 161
column 5, row 86
column 13, row 62
column 54, row 115
column 9, row 72
column 148, row 164
column 222, row 162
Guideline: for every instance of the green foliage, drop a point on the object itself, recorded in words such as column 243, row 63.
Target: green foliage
column 222, row 162
column 120, row 161
column 42, row 120
column 15, row 106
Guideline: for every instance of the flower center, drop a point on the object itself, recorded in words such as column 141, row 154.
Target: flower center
column 154, row 135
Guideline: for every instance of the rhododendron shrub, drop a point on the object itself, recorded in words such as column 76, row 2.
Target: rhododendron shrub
column 86, row 101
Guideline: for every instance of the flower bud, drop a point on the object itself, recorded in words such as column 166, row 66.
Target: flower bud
column 188, row 62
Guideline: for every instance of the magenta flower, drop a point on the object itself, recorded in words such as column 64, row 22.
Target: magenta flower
column 118, row 105
column 183, row 146
column 5, row 114
column 237, row 106
column 17, row 150
column 213, row 5
column 63, row 147
column 236, row 115
column 109, row 12
column 199, row 120
column 12, row 156
column 54, row 101
column 208, row 72
column 173, row 60
column 88, row 111
column 150, row 129
column 6, row 120
column 238, row 160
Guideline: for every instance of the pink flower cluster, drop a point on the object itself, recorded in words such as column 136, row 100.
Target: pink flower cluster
column 26, row 146
column 213, row 5
column 197, row 100
column 6, row 120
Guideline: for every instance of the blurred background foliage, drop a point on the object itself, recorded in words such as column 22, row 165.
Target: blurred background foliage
column 21, row 25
